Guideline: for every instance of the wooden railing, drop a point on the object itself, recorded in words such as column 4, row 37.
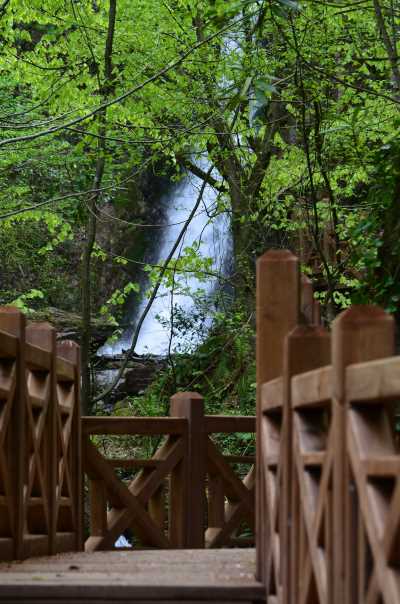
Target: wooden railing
column 40, row 490
column 186, row 495
column 328, row 482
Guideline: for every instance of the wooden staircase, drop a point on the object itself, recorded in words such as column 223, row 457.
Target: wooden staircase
column 148, row 576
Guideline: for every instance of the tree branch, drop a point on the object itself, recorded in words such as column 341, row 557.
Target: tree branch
column 163, row 270
column 128, row 93
column 197, row 171
column 390, row 48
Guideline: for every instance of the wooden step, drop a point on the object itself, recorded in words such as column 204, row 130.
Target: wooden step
column 149, row 576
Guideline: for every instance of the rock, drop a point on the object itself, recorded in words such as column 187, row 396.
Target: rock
column 136, row 378
column 68, row 325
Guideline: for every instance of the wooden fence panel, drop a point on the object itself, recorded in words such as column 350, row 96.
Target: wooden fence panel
column 277, row 313
column 302, row 478
column 68, row 460
column 12, row 420
column 331, row 462
column 363, row 334
column 208, row 504
column 31, row 494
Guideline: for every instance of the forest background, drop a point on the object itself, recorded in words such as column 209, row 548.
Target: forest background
column 293, row 109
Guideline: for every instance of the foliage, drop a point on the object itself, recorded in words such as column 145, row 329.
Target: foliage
column 222, row 368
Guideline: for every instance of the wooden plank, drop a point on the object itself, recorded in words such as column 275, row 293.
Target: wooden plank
column 385, row 466
column 216, row 503
column 148, row 576
column 42, row 589
column 272, row 395
column 146, row 484
column 277, row 312
column 99, row 600
column 70, row 352
column 233, row 486
column 7, row 546
column 134, row 463
column 229, row 424
column 12, row 321
column 98, row 508
column 148, row 426
column 306, row 349
column 219, row 537
column 307, row 299
column 140, row 518
column 373, row 380
column 8, row 345
column 37, row 358
column 360, row 334
column 312, row 388
column 245, row 459
column 192, row 561
column 157, row 508
column 65, row 370
column 315, row 459
column 188, row 506
column 65, row 542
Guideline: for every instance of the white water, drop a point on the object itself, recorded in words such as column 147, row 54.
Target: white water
column 213, row 237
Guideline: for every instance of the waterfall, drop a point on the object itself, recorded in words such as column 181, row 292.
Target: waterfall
column 213, row 238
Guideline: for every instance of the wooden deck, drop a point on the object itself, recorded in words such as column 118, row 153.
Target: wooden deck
column 192, row 576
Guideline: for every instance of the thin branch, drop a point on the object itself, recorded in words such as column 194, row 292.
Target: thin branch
column 390, row 48
column 163, row 270
column 197, row 171
column 129, row 92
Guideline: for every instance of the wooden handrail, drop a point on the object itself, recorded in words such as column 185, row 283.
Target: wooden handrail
column 41, row 481
column 207, row 501
column 228, row 424
column 40, row 472
column 149, row 426
column 328, row 513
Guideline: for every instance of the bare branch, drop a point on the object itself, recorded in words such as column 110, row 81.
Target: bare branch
column 163, row 270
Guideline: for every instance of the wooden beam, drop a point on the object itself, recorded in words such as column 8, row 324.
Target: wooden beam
column 277, row 313
column 139, row 514
column 188, row 495
column 272, row 395
column 373, row 380
column 12, row 321
column 148, row 426
column 229, row 424
column 360, row 334
column 312, row 388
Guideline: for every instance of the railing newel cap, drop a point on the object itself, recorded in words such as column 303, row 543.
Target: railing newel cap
column 277, row 255
column 362, row 314
column 187, row 395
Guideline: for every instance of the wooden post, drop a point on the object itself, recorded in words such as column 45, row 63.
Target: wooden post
column 71, row 352
column 13, row 321
column 306, row 348
column 360, row 334
column 188, row 499
column 98, row 508
column 43, row 335
column 157, row 507
column 277, row 313
column 216, row 501
column 307, row 300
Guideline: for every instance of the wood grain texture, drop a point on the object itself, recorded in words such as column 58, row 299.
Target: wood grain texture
column 229, row 423
column 312, row 388
column 176, row 575
column 39, row 509
column 277, row 313
column 134, row 425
